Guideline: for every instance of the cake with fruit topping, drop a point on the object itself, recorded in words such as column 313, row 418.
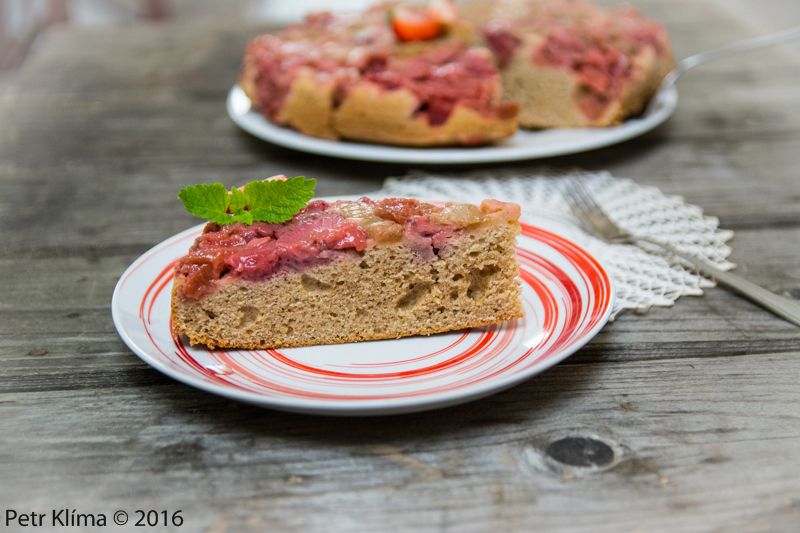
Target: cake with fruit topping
column 348, row 271
column 571, row 63
column 434, row 75
column 400, row 74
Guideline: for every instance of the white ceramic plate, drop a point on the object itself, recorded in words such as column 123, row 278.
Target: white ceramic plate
column 567, row 294
column 523, row 145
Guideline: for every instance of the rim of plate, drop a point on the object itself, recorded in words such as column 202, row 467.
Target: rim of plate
column 366, row 407
column 525, row 144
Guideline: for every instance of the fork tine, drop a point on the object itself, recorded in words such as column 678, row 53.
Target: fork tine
column 577, row 205
column 579, row 189
column 591, row 215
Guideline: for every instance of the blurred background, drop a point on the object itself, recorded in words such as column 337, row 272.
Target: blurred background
column 23, row 22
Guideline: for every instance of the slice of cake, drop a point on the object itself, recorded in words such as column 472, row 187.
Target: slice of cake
column 571, row 63
column 349, row 271
column 394, row 74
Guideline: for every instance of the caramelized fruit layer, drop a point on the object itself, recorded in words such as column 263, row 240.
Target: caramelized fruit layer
column 324, row 232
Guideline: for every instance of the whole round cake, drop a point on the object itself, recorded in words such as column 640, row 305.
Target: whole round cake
column 434, row 75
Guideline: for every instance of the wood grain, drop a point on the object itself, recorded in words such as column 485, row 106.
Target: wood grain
column 699, row 403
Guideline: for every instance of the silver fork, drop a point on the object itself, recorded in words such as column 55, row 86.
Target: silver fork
column 595, row 220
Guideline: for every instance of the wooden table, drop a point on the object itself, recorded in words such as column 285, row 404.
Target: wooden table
column 700, row 403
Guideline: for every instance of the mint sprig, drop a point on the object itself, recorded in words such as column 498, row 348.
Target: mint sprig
column 272, row 201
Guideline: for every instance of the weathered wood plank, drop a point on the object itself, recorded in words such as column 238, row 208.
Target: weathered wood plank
column 696, row 442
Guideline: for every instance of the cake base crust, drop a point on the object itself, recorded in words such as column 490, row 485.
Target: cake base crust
column 549, row 97
column 309, row 107
column 371, row 114
column 385, row 292
column 374, row 115
column 555, row 59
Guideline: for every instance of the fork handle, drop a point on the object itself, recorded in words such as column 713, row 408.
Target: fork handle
column 717, row 53
column 782, row 307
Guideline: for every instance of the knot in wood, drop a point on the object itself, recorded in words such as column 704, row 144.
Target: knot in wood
column 580, row 451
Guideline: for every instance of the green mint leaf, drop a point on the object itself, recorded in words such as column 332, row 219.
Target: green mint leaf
column 272, row 201
column 207, row 201
column 244, row 217
column 238, row 201
column 277, row 201
column 237, row 208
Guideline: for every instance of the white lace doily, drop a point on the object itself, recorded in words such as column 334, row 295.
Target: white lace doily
column 644, row 275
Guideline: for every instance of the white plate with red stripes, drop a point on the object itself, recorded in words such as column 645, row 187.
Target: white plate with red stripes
column 567, row 295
